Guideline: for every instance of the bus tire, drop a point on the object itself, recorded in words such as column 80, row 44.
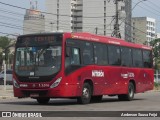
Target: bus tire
column 86, row 94
column 131, row 90
column 130, row 95
column 43, row 100
column 96, row 98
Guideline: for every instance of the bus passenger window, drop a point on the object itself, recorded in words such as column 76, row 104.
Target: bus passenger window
column 114, row 55
column 100, row 52
column 87, row 53
column 126, row 56
column 73, row 57
column 147, row 59
column 137, row 58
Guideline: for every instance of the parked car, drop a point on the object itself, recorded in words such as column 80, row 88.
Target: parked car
column 8, row 77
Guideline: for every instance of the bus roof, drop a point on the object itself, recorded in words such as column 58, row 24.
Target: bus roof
column 44, row 33
column 95, row 38
column 108, row 40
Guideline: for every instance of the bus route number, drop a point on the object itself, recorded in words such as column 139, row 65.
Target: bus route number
column 43, row 85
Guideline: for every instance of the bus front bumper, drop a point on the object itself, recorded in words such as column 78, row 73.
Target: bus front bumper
column 62, row 91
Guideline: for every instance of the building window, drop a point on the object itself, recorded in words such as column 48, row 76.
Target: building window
column 122, row 8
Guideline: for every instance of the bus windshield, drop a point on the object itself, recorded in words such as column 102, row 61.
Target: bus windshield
column 37, row 60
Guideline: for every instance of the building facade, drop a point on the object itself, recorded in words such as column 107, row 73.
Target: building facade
column 59, row 17
column 158, row 35
column 34, row 21
column 96, row 16
column 144, row 29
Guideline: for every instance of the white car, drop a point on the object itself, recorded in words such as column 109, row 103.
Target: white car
column 8, row 77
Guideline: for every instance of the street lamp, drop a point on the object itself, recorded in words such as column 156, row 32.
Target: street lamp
column 138, row 3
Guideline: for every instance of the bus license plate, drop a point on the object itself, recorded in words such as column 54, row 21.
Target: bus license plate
column 34, row 95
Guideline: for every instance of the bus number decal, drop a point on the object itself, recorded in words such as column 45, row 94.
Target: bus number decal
column 97, row 73
column 128, row 75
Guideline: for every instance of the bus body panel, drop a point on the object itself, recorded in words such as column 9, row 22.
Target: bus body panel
column 107, row 80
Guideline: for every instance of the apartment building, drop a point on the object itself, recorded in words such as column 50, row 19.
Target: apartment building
column 143, row 30
column 94, row 16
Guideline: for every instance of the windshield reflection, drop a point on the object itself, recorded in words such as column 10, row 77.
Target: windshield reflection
column 38, row 61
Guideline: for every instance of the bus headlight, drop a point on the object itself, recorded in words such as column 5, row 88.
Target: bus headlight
column 15, row 83
column 56, row 83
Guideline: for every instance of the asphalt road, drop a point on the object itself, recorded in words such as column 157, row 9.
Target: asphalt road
column 149, row 101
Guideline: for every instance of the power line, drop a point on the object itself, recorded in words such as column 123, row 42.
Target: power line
column 148, row 10
column 135, row 28
column 8, row 34
column 55, row 14
column 151, row 7
column 31, row 23
column 153, row 4
column 116, row 31
column 133, row 37
column 39, row 24
column 48, row 20
column 49, row 13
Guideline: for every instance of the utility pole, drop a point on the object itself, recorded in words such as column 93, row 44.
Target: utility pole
column 116, row 26
column 57, row 15
column 116, row 31
column 128, row 23
column 4, row 68
column 104, row 17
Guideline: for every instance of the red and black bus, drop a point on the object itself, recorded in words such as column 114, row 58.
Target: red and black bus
column 80, row 65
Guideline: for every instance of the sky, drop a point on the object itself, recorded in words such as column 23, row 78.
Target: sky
column 11, row 19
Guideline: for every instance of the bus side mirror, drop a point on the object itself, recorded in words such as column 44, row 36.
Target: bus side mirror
column 67, row 52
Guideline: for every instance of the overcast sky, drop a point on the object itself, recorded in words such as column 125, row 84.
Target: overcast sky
column 149, row 8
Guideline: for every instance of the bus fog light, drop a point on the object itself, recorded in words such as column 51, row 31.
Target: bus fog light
column 15, row 83
column 56, row 83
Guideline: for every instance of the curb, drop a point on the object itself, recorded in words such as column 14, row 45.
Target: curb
column 153, row 91
column 4, row 94
column 156, row 90
column 6, row 97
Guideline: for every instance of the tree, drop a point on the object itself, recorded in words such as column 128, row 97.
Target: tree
column 4, row 42
column 156, row 52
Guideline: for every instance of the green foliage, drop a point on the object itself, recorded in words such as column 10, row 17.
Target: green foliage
column 156, row 52
column 156, row 86
column 4, row 42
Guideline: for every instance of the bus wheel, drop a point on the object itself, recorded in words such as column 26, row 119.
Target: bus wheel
column 131, row 90
column 86, row 94
column 130, row 94
column 96, row 98
column 43, row 100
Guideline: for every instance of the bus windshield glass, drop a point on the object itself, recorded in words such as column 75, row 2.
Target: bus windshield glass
column 38, row 56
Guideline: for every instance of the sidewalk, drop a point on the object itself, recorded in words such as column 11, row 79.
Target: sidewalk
column 8, row 93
